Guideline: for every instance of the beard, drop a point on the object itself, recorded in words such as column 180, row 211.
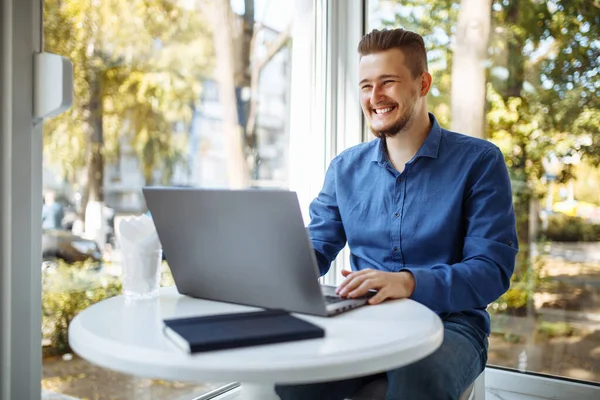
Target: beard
column 397, row 126
column 403, row 121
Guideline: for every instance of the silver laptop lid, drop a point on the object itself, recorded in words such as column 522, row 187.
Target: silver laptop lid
column 240, row 246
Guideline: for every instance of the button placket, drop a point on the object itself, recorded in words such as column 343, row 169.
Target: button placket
column 395, row 249
column 397, row 245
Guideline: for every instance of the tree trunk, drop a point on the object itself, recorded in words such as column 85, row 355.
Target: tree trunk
column 257, row 66
column 247, row 45
column 524, row 198
column 245, row 60
column 93, row 189
column 223, row 38
column 95, row 157
column 515, row 62
column 94, row 203
column 522, row 205
column 468, row 67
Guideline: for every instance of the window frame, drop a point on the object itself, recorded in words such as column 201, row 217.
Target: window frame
column 20, row 203
column 344, row 119
column 307, row 102
column 540, row 385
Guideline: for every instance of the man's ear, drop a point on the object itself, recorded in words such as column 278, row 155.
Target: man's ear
column 426, row 80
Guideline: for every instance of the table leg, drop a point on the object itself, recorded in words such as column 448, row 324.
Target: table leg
column 255, row 391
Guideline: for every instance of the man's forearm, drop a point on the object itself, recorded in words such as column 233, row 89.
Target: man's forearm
column 459, row 287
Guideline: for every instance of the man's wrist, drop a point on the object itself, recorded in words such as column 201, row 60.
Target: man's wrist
column 409, row 282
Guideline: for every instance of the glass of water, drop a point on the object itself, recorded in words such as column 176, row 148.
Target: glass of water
column 141, row 272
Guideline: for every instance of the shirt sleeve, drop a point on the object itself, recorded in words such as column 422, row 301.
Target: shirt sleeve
column 490, row 245
column 326, row 229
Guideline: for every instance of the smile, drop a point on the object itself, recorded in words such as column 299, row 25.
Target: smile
column 385, row 110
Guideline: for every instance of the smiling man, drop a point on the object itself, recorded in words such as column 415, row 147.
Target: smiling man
column 427, row 214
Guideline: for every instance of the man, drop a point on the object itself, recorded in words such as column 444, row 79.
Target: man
column 52, row 212
column 427, row 214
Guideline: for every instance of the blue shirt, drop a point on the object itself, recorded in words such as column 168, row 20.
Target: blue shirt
column 447, row 218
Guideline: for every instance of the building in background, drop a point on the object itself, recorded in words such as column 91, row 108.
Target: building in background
column 205, row 163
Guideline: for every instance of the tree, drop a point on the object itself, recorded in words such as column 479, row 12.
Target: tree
column 139, row 81
column 238, row 68
column 532, row 115
column 131, row 80
column 223, row 17
column 469, row 67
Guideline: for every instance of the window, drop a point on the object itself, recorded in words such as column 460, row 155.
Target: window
column 191, row 93
column 525, row 76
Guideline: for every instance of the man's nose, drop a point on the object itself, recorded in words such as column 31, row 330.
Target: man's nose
column 376, row 95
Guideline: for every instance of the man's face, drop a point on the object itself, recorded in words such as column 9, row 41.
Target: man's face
column 389, row 93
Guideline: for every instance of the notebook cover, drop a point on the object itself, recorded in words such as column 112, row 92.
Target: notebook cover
column 226, row 331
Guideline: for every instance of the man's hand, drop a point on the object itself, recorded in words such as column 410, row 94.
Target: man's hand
column 389, row 285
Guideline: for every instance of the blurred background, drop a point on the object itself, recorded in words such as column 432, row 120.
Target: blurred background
column 200, row 93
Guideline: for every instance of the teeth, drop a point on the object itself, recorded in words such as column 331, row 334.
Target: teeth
column 383, row 110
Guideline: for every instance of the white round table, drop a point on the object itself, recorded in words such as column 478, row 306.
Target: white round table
column 127, row 336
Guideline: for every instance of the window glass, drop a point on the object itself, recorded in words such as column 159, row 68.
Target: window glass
column 167, row 92
column 525, row 75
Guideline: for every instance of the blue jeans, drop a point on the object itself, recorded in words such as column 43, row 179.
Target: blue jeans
column 444, row 374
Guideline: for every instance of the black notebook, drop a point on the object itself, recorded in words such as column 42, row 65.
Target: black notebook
column 226, row 331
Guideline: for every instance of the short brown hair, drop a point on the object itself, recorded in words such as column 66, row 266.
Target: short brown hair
column 410, row 43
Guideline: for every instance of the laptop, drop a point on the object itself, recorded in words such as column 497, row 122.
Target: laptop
column 246, row 247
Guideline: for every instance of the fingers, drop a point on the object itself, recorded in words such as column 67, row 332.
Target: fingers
column 379, row 297
column 389, row 285
column 363, row 288
column 350, row 276
column 359, row 284
column 397, row 286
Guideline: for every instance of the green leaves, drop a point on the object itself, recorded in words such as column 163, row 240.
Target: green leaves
column 151, row 57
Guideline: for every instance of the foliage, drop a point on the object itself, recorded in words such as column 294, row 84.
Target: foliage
column 571, row 66
column 539, row 44
column 564, row 228
column 67, row 290
column 524, row 285
column 549, row 330
column 531, row 80
column 166, row 278
column 148, row 67
column 544, row 330
column 587, row 185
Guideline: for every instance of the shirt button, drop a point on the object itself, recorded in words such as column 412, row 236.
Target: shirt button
column 396, row 248
column 399, row 179
column 396, row 215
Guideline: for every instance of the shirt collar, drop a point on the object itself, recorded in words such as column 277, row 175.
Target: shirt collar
column 429, row 148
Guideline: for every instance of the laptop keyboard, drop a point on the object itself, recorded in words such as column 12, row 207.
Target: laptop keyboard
column 333, row 299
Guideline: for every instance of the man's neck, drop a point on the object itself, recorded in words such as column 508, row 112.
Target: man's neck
column 402, row 147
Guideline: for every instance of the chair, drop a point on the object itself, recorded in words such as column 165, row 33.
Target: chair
column 376, row 390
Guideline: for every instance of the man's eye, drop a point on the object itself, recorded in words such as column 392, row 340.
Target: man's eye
column 386, row 82
column 366, row 87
